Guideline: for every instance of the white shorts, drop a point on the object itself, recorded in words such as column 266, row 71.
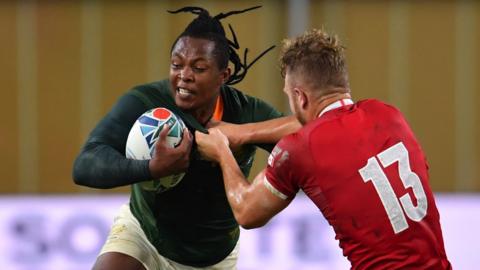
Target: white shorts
column 127, row 237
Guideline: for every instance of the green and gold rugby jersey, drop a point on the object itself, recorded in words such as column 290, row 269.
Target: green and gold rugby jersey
column 191, row 223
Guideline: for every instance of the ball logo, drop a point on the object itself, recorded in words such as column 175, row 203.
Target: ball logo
column 151, row 120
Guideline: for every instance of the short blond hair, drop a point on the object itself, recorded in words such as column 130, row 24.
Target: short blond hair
column 318, row 57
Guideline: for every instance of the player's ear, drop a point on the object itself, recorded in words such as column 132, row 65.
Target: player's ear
column 226, row 74
column 302, row 97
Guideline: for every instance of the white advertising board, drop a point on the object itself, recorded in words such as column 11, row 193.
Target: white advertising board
column 66, row 232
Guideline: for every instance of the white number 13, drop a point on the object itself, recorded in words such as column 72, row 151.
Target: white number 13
column 374, row 172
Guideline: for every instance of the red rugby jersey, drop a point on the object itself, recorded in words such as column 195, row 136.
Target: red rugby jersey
column 363, row 168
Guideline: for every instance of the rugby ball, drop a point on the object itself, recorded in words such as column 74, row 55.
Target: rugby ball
column 143, row 136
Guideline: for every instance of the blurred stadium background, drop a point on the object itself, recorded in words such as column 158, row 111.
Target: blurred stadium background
column 64, row 63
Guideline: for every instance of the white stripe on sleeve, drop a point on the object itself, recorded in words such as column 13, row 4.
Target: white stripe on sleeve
column 273, row 189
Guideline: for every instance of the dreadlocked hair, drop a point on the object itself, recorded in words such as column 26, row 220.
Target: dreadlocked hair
column 210, row 28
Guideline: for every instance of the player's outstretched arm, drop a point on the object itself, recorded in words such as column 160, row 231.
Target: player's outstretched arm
column 265, row 132
column 252, row 204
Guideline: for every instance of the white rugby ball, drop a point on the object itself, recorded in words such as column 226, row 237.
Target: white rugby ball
column 143, row 136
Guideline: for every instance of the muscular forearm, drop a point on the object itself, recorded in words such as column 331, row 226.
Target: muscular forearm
column 236, row 186
column 252, row 204
column 239, row 192
column 270, row 131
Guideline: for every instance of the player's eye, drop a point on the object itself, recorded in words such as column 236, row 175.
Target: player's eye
column 175, row 65
column 199, row 69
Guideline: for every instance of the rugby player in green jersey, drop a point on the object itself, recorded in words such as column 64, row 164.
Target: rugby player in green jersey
column 190, row 226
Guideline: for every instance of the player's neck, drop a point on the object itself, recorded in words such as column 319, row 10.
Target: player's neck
column 204, row 115
column 326, row 100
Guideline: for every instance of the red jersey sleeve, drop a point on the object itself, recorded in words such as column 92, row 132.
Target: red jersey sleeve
column 280, row 172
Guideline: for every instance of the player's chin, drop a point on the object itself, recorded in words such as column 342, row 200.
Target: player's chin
column 185, row 104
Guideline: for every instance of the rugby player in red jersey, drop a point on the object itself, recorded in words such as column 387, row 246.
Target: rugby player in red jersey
column 360, row 163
